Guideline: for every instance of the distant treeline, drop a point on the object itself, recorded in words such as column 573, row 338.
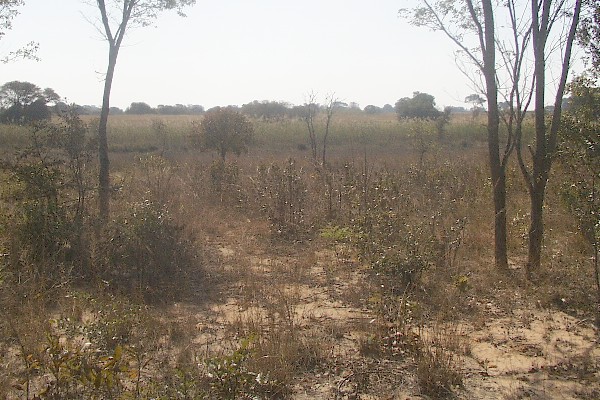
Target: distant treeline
column 266, row 109
column 139, row 108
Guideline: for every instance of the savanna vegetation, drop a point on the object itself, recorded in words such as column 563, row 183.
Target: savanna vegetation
column 319, row 251
column 267, row 274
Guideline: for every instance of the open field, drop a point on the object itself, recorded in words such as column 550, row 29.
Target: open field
column 271, row 276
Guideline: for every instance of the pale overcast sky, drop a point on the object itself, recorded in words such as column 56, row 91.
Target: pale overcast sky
column 236, row 51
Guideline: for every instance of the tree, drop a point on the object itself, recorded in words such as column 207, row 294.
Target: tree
column 477, row 101
column 589, row 36
column 116, row 18
column 371, row 109
column 513, row 33
column 331, row 103
column 544, row 16
column 140, row 108
column 580, row 135
column 442, row 121
column 224, row 130
column 420, row 106
column 8, row 11
column 266, row 110
column 25, row 102
column 309, row 111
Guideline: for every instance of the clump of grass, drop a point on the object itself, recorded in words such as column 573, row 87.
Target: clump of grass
column 438, row 371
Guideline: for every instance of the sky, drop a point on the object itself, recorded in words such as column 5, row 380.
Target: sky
column 231, row 52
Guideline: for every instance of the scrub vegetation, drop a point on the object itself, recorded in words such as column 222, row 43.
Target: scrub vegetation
column 271, row 275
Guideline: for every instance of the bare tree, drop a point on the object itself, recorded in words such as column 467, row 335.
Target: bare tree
column 309, row 113
column 116, row 18
column 310, row 110
column 541, row 31
column 330, row 103
column 457, row 20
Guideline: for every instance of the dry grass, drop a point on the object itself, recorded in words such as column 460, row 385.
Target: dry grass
column 321, row 281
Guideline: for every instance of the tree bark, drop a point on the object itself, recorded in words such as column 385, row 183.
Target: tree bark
column 536, row 229
column 497, row 167
column 545, row 137
column 104, row 174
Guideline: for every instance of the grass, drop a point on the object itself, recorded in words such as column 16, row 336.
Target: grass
column 271, row 275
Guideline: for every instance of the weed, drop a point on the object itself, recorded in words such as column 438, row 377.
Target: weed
column 282, row 193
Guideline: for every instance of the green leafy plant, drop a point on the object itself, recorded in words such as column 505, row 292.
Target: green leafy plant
column 230, row 377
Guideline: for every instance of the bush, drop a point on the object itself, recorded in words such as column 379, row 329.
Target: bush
column 282, row 193
column 47, row 187
column 147, row 251
column 225, row 131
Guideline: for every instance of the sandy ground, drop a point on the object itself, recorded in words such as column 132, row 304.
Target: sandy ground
column 524, row 354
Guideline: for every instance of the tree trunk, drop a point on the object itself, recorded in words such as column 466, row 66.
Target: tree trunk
column 500, row 234
column 104, row 174
column 536, row 229
column 545, row 138
column 497, row 168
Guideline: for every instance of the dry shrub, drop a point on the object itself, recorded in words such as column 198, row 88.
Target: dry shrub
column 438, row 364
column 148, row 252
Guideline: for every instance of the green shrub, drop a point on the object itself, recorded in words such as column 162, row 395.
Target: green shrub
column 230, row 377
column 46, row 190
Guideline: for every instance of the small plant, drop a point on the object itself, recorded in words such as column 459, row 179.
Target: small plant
column 341, row 238
column 282, row 193
column 223, row 177
column 160, row 130
column 230, row 377
column 462, row 283
column 336, row 233
column 438, row 373
column 157, row 177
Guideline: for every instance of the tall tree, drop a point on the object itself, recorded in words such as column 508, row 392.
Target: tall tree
column 309, row 111
column 420, row 106
column 510, row 34
column 330, row 104
column 589, row 36
column 126, row 14
column 545, row 15
column 25, row 102
column 458, row 19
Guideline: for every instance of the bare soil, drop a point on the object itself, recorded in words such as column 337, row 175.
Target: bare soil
column 527, row 352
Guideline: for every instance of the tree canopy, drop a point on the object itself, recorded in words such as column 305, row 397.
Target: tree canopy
column 25, row 102
column 420, row 106
column 224, row 130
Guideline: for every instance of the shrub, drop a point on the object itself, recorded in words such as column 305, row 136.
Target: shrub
column 47, row 190
column 225, row 131
column 231, row 378
column 282, row 193
column 148, row 251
